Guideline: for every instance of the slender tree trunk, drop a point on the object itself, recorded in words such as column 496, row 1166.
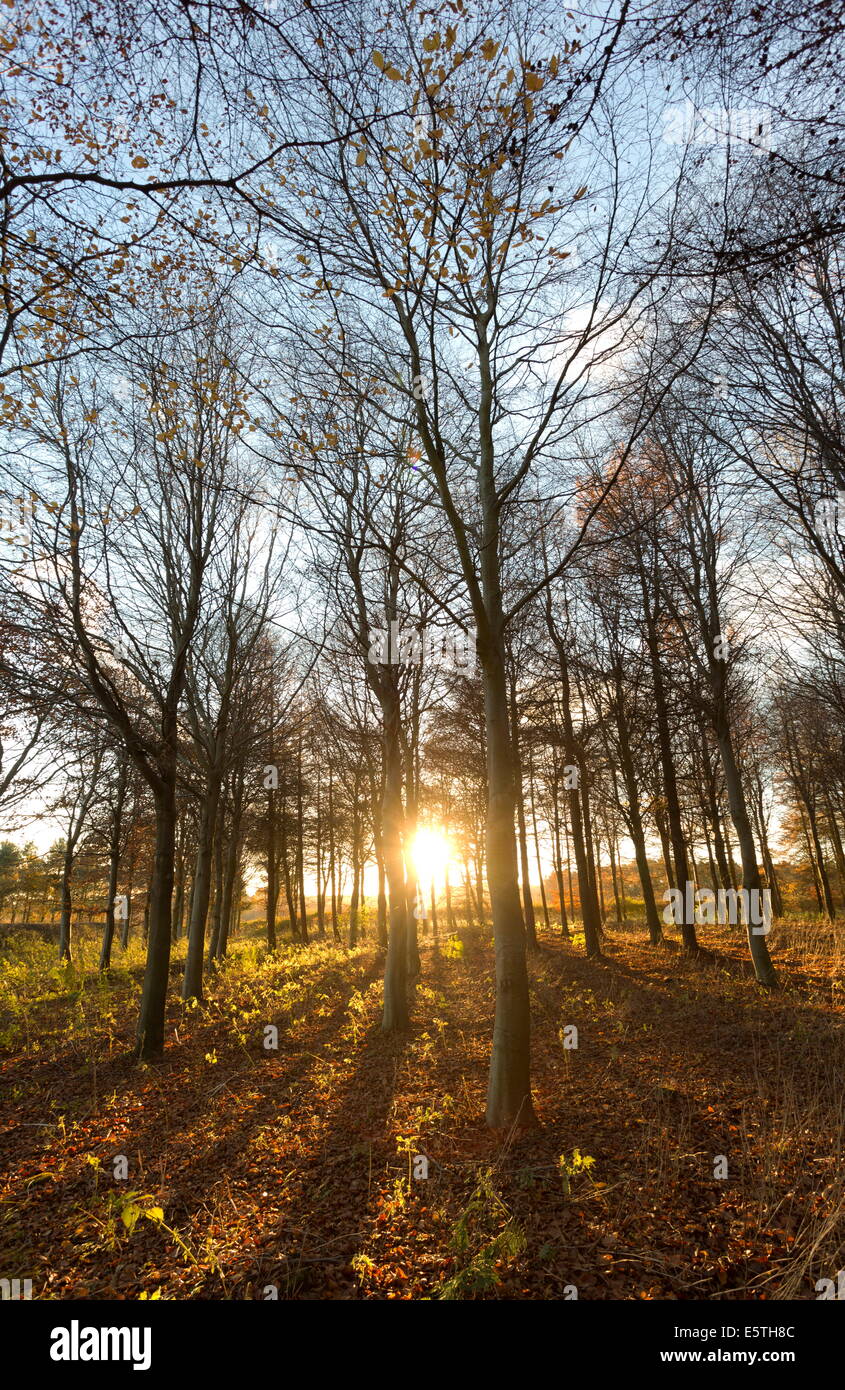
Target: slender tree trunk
column 763, row 968
column 829, row 907
column 556, row 819
column 300, row 849
column 612, row 852
column 667, row 764
column 586, row 885
column 811, row 859
column 209, row 822
column 272, row 871
column 519, row 792
column 321, row 893
column 229, row 881
column 353, row 901
column 543, row 898
column 382, row 897
column 665, row 847
column 217, row 911
column 395, row 1017
column 65, row 927
column 451, row 924
column 332, row 861
column 415, row 898
column 289, row 892
column 768, row 861
column 836, row 842
column 114, row 864
column 124, row 935
column 150, row 1036
column 635, row 824
column 509, row 1086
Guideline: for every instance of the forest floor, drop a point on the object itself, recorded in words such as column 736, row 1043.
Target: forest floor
column 689, row 1147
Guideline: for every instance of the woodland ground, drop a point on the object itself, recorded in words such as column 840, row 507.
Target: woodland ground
column 291, row 1168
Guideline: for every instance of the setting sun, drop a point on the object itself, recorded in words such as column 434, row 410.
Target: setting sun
column 431, row 853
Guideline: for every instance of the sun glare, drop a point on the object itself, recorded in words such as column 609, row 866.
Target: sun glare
column 431, row 853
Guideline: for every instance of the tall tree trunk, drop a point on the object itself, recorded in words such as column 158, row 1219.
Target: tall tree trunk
column 395, row 1017
column 727, row 880
column 353, row 901
column 217, row 910
column 229, row 881
column 836, row 842
column 272, row 871
column 519, row 793
column 635, row 822
column 300, row 849
column 286, row 873
column 382, row 897
column 318, row 851
column 509, row 1085
column 768, row 861
column 451, row 924
column 150, row 1036
column 665, row 846
column 667, row 765
column 586, row 884
column 65, row 927
column 556, row 819
column 763, row 968
column 612, row 852
column 114, row 863
column 201, row 894
column 543, row 899
column 124, row 934
column 811, row 859
column 824, row 879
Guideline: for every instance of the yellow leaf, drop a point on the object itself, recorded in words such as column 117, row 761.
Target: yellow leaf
column 533, row 82
column 361, row 158
column 489, row 49
column 580, row 193
column 139, row 162
column 378, row 59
